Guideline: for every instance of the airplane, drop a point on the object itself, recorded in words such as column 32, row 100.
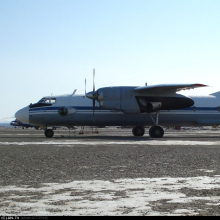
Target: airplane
column 17, row 123
column 136, row 106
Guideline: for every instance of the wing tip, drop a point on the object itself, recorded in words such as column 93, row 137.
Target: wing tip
column 200, row 85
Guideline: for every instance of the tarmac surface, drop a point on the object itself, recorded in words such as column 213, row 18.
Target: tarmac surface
column 110, row 173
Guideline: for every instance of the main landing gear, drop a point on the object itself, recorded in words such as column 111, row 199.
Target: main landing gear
column 48, row 133
column 155, row 131
column 138, row 131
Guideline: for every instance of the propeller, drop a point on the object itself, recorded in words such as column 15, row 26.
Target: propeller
column 85, row 86
column 92, row 95
column 93, row 80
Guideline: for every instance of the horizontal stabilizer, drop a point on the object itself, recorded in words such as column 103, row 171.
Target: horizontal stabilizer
column 216, row 93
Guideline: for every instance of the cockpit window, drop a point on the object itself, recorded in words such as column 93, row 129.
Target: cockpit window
column 43, row 102
column 53, row 100
column 48, row 100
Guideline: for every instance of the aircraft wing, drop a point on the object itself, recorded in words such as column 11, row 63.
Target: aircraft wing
column 166, row 88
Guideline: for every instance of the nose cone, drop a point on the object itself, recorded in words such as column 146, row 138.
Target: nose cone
column 23, row 115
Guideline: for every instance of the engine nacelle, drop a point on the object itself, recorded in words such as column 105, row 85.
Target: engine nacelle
column 118, row 99
column 63, row 111
column 109, row 98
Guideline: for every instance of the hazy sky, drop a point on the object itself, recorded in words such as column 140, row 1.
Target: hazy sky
column 51, row 46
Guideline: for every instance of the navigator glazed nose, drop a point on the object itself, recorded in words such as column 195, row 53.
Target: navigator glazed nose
column 23, row 115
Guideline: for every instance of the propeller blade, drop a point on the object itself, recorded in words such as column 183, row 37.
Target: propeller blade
column 85, row 86
column 93, row 109
column 93, row 80
column 93, row 94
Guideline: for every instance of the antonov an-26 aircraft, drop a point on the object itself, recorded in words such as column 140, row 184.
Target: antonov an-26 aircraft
column 155, row 106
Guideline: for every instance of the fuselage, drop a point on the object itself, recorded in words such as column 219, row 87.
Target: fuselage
column 80, row 112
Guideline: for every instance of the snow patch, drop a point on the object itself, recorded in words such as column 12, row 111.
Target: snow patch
column 97, row 197
column 147, row 142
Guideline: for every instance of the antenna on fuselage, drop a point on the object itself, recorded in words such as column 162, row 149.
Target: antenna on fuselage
column 74, row 92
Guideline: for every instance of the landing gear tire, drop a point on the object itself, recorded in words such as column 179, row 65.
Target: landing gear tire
column 138, row 131
column 49, row 133
column 156, row 132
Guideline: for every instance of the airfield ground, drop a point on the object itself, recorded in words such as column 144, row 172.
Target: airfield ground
column 110, row 173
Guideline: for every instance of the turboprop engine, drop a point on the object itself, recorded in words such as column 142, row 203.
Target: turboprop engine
column 127, row 100
column 116, row 99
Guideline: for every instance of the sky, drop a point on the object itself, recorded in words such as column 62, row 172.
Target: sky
column 51, row 46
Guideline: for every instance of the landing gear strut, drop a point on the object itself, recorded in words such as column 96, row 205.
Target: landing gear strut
column 49, row 133
column 156, row 131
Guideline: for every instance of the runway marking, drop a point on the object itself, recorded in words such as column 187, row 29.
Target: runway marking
column 140, row 196
column 89, row 143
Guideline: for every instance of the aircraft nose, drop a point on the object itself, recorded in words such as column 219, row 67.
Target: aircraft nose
column 23, row 115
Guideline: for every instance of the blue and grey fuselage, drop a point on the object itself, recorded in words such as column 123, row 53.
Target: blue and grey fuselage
column 126, row 108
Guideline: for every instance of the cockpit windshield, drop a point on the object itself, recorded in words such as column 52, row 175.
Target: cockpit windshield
column 47, row 100
column 44, row 102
